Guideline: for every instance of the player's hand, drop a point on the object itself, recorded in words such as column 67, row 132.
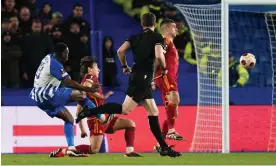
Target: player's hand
column 127, row 70
column 83, row 134
column 108, row 94
column 153, row 86
column 94, row 88
column 164, row 72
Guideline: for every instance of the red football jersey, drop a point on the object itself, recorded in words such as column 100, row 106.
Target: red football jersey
column 93, row 79
column 172, row 60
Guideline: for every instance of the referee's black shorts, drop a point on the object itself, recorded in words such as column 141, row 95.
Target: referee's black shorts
column 139, row 87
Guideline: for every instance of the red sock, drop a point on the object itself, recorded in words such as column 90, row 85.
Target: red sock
column 130, row 136
column 171, row 115
column 165, row 128
column 83, row 148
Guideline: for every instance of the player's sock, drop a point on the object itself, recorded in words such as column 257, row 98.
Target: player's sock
column 130, row 138
column 165, row 128
column 156, row 131
column 171, row 115
column 90, row 104
column 84, row 148
column 69, row 133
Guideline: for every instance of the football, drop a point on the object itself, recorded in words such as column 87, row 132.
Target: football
column 248, row 60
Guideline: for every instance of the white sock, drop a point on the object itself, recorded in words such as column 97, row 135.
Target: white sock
column 72, row 148
column 171, row 130
column 129, row 149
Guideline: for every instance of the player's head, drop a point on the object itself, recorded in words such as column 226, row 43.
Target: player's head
column 148, row 20
column 61, row 51
column 89, row 66
column 168, row 27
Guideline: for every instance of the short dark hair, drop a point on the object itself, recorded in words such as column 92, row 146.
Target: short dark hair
column 148, row 19
column 166, row 21
column 59, row 49
column 86, row 62
column 77, row 5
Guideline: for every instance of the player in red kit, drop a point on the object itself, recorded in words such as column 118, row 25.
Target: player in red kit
column 106, row 123
column 167, row 84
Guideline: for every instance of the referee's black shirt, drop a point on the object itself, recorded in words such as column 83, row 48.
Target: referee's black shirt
column 142, row 46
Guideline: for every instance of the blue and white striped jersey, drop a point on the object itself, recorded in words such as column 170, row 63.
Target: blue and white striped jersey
column 47, row 79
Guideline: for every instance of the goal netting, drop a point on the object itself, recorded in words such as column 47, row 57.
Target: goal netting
column 248, row 30
column 270, row 19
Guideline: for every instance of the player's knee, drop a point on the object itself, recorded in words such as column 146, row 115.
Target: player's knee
column 125, row 109
column 153, row 113
column 94, row 149
column 132, row 124
column 174, row 98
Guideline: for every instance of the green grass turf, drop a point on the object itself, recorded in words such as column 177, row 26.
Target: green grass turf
column 149, row 158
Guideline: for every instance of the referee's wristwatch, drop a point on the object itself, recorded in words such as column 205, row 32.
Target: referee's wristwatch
column 124, row 66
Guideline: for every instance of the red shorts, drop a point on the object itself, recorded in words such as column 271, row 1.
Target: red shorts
column 166, row 84
column 98, row 128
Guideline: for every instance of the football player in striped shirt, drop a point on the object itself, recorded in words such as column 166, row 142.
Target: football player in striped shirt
column 51, row 97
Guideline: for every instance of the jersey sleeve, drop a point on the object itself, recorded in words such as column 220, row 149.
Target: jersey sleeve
column 57, row 70
column 129, row 39
column 160, row 41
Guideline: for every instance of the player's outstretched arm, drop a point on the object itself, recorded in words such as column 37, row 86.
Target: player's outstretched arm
column 96, row 94
column 73, row 84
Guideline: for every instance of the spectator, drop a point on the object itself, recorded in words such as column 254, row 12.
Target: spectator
column 109, row 64
column 57, row 35
column 73, row 42
column 55, row 21
column 76, row 17
column 5, row 25
column 14, row 29
column 84, row 47
column 14, row 25
column 45, row 14
column 8, row 10
column 11, row 54
column 25, row 21
column 35, row 47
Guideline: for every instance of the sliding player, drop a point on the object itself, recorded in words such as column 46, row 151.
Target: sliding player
column 51, row 97
column 168, row 83
column 96, row 126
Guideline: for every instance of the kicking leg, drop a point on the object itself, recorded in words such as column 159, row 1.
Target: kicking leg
column 152, row 109
column 68, row 119
column 109, row 108
column 82, row 100
column 129, row 127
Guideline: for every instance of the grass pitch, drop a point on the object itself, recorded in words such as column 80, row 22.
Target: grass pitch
column 148, row 158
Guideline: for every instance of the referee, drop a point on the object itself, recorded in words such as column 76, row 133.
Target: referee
column 146, row 47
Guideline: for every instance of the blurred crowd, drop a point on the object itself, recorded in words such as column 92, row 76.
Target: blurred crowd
column 183, row 41
column 29, row 33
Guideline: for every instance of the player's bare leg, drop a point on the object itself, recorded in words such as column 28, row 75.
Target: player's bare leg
column 153, row 112
column 68, row 119
column 172, row 113
column 129, row 127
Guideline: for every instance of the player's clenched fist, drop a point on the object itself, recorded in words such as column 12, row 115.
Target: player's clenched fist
column 83, row 134
column 127, row 70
